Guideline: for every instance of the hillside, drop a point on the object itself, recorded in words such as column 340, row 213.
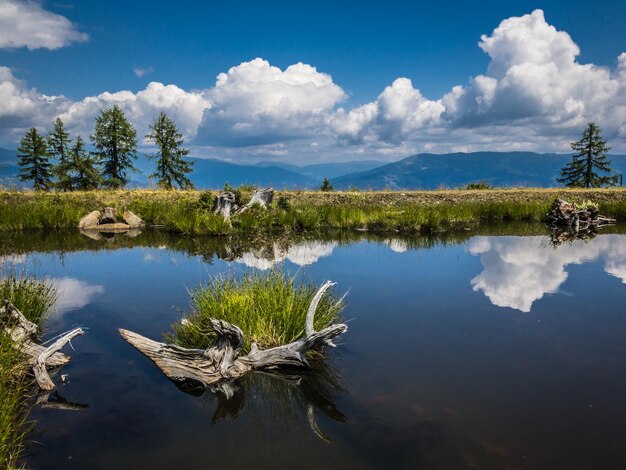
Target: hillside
column 501, row 169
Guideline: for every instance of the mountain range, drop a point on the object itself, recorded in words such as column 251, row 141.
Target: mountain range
column 422, row 171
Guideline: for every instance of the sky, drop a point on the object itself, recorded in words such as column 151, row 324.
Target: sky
column 321, row 81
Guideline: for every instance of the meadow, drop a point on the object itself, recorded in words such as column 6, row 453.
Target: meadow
column 189, row 212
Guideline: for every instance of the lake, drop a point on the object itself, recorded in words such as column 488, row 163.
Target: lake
column 472, row 350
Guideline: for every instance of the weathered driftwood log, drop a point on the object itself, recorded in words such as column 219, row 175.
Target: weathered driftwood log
column 225, row 204
column 108, row 216
column 133, row 221
column 221, row 361
column 90, row 220
column 261, row 197
column 564, row 214
column 39, row 357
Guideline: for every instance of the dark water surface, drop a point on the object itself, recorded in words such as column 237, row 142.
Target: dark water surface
column 468, row 352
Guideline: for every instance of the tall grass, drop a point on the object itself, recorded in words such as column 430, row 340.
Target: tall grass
column 189, row 212
column 34, row 298
column 270, row 308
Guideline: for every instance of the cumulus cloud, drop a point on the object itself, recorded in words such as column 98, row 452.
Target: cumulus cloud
column 533, row 86
column 27, row 24
column 518, row 271
column 256, row 103
column 534, row 95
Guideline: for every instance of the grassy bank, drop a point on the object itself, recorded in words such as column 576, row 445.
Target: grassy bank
column 270, row 308
column 35, row 299
column 189, row 212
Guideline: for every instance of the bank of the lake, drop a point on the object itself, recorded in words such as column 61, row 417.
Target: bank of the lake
column 34, row 298
column 189, row 212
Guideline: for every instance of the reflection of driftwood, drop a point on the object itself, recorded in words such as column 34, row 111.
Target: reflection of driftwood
column 564, row 214
column 564, row 235
column 55, row 401
column 221, row 361
column 40, row 358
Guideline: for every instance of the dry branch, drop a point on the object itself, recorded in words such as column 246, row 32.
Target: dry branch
column 40, row 358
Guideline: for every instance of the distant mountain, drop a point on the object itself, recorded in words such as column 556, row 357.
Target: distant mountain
column 502, row 169
column 319, row 171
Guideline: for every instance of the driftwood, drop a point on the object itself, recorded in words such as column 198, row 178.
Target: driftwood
column 564, row 214
column 225, row 204
column 106, row 222
column 221, row 361
column 260, row 197
column 39, row 357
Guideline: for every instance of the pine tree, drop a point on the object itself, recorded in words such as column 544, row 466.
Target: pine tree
column 326, row 185
column 59, row 148
column 34, row 161
column 115, row 140
column 588, row 159
column 171, row 166
column 84, row 174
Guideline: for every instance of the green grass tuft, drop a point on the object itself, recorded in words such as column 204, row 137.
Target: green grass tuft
column 270, row 308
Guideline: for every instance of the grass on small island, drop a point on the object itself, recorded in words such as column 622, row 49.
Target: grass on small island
column 189, row 212
column 270, row 308
column 34, row 298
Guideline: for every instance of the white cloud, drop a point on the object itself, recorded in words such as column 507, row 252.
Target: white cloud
column 141, row 71
column 27, row 24
column 518, row 271
column 74, row 293
column 534, row 95
column 256, row 103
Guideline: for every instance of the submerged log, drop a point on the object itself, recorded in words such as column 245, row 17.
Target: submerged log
column 221, row 361
column 39, row 357
column 225, row 204
column 564, row 214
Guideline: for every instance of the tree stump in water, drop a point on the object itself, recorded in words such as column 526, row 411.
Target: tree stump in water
column 39, row 357
column 222, row 362
column 108, row 216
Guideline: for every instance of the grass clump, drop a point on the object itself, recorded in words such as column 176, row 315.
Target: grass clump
column 270, row 308
column 34, row 298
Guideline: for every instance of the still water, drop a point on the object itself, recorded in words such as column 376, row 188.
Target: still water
column 480, row 351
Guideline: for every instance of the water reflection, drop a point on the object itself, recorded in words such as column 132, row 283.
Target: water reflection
column 301, row 254
column 518, row 271
column 74, row 293
column 298, row 395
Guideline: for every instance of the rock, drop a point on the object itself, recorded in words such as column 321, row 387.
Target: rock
column 91, row 220
column 108, row 216
column 132, row 220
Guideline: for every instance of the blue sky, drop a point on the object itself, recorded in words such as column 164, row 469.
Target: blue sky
column 378, row 78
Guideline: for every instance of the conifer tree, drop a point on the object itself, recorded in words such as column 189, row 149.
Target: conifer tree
column 171, row 165
column 81, row 168
column 588, row 159
column 59, row 148
column 115, row 141
column 34, row 160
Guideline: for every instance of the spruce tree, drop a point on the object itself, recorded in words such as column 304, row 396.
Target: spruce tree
column 84, row 174
column 34, row 161
column 115, row 141
column 59, row 148
column 588, row 159
column 171, row 165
